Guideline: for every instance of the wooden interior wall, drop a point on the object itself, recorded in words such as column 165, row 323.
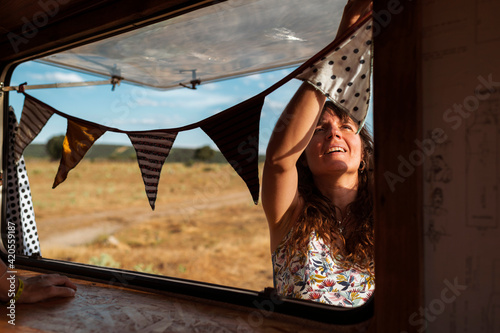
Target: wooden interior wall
column 461, row 126
column 397, row 124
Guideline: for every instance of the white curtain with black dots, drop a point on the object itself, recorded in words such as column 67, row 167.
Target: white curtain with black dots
column 19, row 203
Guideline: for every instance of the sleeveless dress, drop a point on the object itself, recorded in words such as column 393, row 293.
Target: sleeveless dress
column 317, row 276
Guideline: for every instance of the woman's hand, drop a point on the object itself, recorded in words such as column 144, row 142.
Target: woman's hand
column 42, row 287
column 353, row 11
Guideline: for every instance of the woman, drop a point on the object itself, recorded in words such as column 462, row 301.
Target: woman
column 316, row 194
column 317, row 198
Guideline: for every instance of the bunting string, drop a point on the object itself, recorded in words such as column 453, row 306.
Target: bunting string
column 235, row 132
column 340, row 71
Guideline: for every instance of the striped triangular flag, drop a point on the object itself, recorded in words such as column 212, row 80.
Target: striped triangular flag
column 79, row 138
column 152, row 148
column 235, row 131
column 34, row 116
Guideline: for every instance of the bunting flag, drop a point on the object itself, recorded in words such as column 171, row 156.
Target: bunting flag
column 34, row 116
column 235, row 131
column 152, row 148
column 79, row 138
column 343, row 75
column 18, row 201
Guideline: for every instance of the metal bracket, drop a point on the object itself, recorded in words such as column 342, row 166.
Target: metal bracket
column 115, row 80
column 194, row 82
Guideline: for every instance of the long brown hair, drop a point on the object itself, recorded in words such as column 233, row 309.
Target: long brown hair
column 320, row 214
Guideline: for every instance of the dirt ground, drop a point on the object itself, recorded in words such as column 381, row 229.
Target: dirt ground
column 205, row 226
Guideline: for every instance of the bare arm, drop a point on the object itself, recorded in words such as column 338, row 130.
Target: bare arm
column 290, row 137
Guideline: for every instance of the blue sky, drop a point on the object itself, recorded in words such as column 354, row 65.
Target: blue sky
column 132, row 107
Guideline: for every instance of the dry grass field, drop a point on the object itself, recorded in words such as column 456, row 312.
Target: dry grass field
column 205, row 226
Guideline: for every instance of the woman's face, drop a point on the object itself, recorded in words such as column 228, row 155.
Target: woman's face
column 335, row 148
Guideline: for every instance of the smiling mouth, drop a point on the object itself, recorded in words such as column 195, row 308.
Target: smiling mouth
column 335, row 150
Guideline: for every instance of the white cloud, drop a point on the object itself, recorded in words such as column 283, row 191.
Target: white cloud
column 210, row 87
column 148, row 122
column 147, row 102
column 253, row 77
column 186, row 99
column 57, row 77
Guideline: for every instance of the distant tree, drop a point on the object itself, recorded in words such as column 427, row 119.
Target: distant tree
column 204, row 154
column 54, row 147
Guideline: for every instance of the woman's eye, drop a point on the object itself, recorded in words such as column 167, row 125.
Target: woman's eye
column 348, row 127
column 319, row 129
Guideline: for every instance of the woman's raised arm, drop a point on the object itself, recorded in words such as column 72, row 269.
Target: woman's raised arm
column 290, row 137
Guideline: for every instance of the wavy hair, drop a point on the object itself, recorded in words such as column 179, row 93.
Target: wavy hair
column 354, row 246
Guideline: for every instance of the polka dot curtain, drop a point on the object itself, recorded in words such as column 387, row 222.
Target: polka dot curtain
column 19, row 204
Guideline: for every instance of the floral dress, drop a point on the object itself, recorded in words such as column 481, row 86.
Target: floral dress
column 317, row 276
